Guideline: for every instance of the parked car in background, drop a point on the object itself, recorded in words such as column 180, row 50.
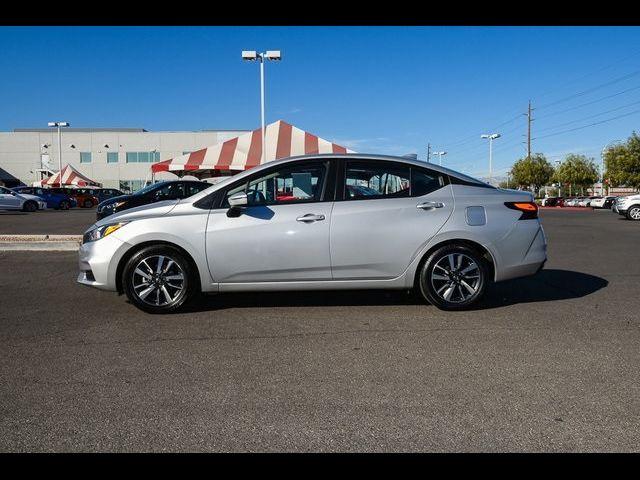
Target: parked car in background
column 586, row 201
column 550, row 202
column 601, row 202
column 293, row 224
column 58, row 201
column 170, row 190
column 10, row 200
column 629, row 206
column 101, row 194
column 84, row 200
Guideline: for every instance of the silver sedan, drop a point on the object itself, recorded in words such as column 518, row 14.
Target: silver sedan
column 321, row 222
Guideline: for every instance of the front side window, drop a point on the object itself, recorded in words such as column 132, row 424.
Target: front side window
column 193, row 188
column 171, row 191
column 369, row 180
column 293, row 184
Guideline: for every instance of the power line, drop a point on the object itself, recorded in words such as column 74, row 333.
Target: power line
column 588, row 117
column 589, row 103
column 593, row 89
column 590, row 125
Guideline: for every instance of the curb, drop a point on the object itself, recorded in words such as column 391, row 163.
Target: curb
column 51, row 243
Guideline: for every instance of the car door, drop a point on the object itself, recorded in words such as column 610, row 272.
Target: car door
column 282, row 235
column 9, row 199
column 388, row 213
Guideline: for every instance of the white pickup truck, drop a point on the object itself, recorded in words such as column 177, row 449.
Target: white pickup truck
column 629, row 206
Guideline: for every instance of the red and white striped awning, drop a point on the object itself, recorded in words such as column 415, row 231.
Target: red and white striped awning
column 244, row 152
column 70, row 177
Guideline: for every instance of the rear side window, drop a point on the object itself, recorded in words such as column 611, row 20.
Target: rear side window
column 369, row 180
column 424, row 182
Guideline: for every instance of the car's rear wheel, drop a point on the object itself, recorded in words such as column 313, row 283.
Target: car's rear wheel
column 633, row 213
column 64, row 205
column 159, row 279
column 454, row 277
column 30, row 206
column 88, row 204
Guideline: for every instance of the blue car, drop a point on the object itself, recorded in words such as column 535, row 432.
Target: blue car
column 58, row 201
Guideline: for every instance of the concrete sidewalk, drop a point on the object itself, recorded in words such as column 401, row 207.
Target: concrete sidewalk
column 40, row 242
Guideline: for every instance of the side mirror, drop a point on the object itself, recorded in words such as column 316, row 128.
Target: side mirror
column 238, row 200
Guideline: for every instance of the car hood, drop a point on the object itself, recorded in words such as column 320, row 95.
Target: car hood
column 119, row 198
column 156, row 209
column 32, row 197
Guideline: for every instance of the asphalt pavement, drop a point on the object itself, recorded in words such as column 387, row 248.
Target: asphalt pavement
column 47, row 222
column 546, row 363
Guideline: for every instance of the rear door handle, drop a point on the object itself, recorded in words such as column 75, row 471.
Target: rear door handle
column 429, row 205
column 310, row 217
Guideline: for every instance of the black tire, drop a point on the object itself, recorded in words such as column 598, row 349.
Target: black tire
column 30, row 206
column 64, row 205
column 155, row 299
column 88, row 204
column 450, row 282
column 633, row 213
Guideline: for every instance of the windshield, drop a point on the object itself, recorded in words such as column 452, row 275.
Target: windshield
column 148, row 188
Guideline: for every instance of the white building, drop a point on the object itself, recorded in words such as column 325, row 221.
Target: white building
column 116, row 157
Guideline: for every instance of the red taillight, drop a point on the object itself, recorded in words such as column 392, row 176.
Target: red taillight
column 529, row 209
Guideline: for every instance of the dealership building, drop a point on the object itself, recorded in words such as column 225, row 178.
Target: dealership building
column 115, row 157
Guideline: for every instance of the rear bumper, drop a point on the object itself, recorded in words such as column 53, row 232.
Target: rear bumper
column 527, row 261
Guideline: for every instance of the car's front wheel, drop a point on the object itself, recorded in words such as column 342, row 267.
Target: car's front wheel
column 633, row 213
column 454, row 277
column 159, row 279
column 30, row 206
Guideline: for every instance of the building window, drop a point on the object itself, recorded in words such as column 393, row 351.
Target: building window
column 85, row 157
column 112, row 157
column 143, row 157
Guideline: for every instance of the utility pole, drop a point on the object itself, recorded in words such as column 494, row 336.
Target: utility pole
column 428, row 152
column 529, row 120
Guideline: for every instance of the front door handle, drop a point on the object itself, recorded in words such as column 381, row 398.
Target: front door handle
column 310, row 217
column 429, row 205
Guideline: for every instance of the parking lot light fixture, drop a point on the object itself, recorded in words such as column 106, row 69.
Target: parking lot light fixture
column 440, row 154
column 251, row 56
column 59, row 125
column 491, row 137
column 602, row 153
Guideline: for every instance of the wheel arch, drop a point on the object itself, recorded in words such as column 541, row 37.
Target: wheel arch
column 153, row 243
column 482, row 250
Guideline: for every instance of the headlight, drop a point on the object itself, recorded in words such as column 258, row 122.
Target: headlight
column 101, row 232
column 118, row 204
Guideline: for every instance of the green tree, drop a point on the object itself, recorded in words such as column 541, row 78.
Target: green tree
column 577, row 171
column 534, row 172
column 623, row 163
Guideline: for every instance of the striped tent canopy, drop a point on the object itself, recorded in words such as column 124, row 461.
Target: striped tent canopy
column 244, row 152
column 70, row 177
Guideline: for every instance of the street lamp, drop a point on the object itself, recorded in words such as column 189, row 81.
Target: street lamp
column 59, row 125
column 440, row 154
column 491, row 137
column 610, row 144
column 251, row 56
column 559, row 162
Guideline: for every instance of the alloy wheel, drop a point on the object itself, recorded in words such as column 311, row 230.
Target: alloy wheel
column 158, row 280
column 455, row 277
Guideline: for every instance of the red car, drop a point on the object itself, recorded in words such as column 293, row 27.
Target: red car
column 84, row 200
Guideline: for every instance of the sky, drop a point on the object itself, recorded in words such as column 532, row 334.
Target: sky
column 389, row 90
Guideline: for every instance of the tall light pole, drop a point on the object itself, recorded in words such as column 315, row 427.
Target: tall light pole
column 59, row 125
column 491, row 137
column 440, row 154
column 604, row 149
column 559, row 162
column 252, row 56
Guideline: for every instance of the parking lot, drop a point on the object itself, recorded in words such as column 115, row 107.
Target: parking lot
column 546, row 363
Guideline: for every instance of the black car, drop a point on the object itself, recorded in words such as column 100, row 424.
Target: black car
column 171, row 190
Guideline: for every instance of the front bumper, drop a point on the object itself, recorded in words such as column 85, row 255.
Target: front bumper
column 98, row 262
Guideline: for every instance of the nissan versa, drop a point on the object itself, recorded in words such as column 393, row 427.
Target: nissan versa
column 320, row 222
